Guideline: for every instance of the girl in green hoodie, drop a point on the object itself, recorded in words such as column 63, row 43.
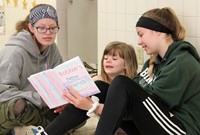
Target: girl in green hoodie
column 164, row 98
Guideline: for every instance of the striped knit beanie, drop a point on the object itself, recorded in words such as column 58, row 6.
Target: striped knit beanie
column 42, row 11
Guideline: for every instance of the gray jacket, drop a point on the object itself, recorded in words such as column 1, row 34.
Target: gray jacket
column 19, row 59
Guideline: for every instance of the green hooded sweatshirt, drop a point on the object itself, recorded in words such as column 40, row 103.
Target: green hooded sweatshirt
column 176, row 81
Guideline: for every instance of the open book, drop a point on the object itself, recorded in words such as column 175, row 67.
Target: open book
column 51, row 82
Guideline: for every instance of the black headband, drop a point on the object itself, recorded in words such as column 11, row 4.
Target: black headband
column 151, row 24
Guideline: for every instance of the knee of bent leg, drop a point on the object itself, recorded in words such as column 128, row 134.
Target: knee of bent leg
column 19, row 107
column 121, row 79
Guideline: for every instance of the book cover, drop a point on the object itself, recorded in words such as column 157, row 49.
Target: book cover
column 51, row 82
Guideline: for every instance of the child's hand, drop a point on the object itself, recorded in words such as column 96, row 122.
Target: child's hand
column 60, row 108
column 73, row 97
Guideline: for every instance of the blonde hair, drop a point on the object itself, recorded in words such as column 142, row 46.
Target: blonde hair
column 167, row 17
column 151, row 64
column 125, row 51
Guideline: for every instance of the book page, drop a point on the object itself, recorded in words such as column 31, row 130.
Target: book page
column 50, row 83
column 73, row 73
column 49, row 87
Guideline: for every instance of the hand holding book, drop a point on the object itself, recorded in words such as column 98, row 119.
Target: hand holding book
column 60, row 108
column 50, row 83
column 73, row 97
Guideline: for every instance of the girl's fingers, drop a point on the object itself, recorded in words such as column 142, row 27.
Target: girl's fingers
column 73, row 92
column 67, row 96
column 72, row 96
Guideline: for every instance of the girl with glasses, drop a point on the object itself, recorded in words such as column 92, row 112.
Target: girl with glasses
column 30, row 50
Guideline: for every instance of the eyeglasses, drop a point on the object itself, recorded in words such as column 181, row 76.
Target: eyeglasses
column 43, row 30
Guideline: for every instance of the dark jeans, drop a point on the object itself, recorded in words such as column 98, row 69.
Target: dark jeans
column 72, row 117
column 137, row 112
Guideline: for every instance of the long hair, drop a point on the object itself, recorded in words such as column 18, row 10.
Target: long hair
column 23, row 25
column 167, row 17
column 125, row 51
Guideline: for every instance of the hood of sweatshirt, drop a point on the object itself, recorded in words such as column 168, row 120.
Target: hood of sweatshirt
column 19, row 59
column 178, row 48
column 24, row 40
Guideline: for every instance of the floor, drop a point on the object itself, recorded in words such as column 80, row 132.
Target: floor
column 89, row 128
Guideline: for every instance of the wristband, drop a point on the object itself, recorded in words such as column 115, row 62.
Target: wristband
column 95, row 105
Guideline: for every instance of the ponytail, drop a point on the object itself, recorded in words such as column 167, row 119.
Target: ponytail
column 23, row 25
column 151, row 64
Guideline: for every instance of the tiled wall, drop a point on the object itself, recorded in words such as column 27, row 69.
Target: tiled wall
column 117, row 19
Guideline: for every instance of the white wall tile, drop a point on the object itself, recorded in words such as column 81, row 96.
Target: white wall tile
column 130, row 22
column 198, row 8
column 111, row 6
column 164, row 3
column 120, row 21
column 141, row 6
column 111, row 21
column 130, row 7
column 177, row 6
column 131, row 37
column 190, row 24
column 120, row 6
column 102, row 20
column 102, row 37
column 152, row 4
column 190, row 7
column 121, row 36
column 111, row 36
column 192, row 40
column 102, row 6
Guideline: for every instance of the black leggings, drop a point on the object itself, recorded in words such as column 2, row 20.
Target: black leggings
column 134, row 110
column 72, row 117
